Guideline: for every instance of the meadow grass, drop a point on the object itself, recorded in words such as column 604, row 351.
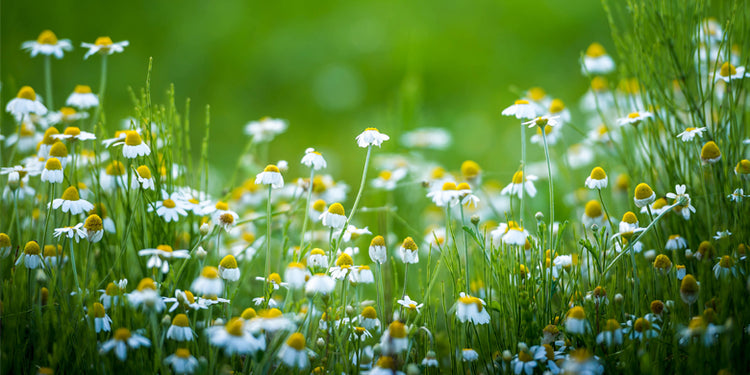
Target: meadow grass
column 123, row 252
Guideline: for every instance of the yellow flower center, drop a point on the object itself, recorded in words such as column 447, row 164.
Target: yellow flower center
column 595, row 50
column 122, row 334
column 71, row 194
column 226, row 218
column 115, row 168
column 437, row 173
column 53, row 164
column 537, row 93
column 229, row 262
column 385, row 175
column 643, row 191
column 296, row 341
column 377, row 241
column 743, row 167
column 727, row 70
column 599, row 83
column 4, row 240
column 270, row 314
column 71, row 130
column 182, row 353
column 26, row 92
column 593, row 209
column 93, row 223
column 181, row 320
column 82, row 89
column 518, row 177
column 372, row 129
column 657, row 307
column 726, row 262
column 521, row 101
column 689, row 285
column 385, row 362
column 47, row 37
column 189, row 296
column 409, row 244
column 397, row 330
column 611, row 325
column 146, row 283
column 556, row 106
column 629, row 218
column 103, row 41
column 210, row 272
column 234, row 327
column 641, row 324
column 577, row 313
column 319, row 205
column 662, row 262
column 598, row 173
column 523, row 356
column 58, row 150
column 317, row 251
column 112, row 289
column 470, row 169
column 710, row 151
column 369, row 313
column 133, row 138
column 248, row 313
column 271, row 168
column 98, row 310
column 50, row 250
column 144, row 172
column 337, row 209
column 344, row 260
column 168, row 203
column 463, row 186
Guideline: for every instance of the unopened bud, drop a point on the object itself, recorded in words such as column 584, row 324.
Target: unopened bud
column 204, row 229
column 475, row 219
column 539, row 216
column 201, row 253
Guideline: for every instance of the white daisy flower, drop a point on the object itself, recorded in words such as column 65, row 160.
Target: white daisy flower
column 180, row 330
column 634, row 118
column 410, row 304
column 294, row 353
column 133, row 146
column 371, row 137
column 597, row 179
column 447, row 196
column 597, row 61
column 320, row 283
column 270, row 176
column 314, row 159
column 729, row 72
column 121, row 341
column 47, row 44
column 265, row 129
column 575, row 321
column 335, row 217
column 71, row 202
column 209, row 282
column 143, row 178
column 296, row 274
column 234, row 338
column 184, row 299
column 317, row 258
column 170, row 208
column 102, row 321
column 75, row 232
column 521, row 109
column 394, row 340
column 160, row 256
column 428, row 138
column 471, row 309
column 690, row 133
column 82, row 98
column 146, row 295
column 104, row 46
column 408, row 251
column 543, row 121
column 182, row 362
column 270, row 321
column 387, row 180
column 25, row 103
column 53, row 171
column 469, row 355
column 377, row 250
column 520, row 183
column 31, row 257
column 228, row 268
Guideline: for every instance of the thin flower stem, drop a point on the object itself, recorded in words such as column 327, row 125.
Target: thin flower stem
column 551, row 192
column 268, row 237
column 48, row 80
column 466, row 249
column 49, row 213
column 102, row 87
column 381, row 290
column 73, row 265
column 523, row 171
column 307, row 212
column 361, row 186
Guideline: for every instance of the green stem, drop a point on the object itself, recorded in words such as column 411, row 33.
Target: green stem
column 48, row 81
column 523, row 171
column 73, row 265
column 268, row 237
column 551, row 192
column 361, row 187
column 102, row 87
column 304, row 221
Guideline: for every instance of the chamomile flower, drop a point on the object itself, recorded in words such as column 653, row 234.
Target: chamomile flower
column 209, row 282
column 182, row 362
column 5, row 245
column 542, row 122
column 430, row 359
column 408, row 251
column 681, row 201
column 111, row 295
column 69, row 115
column 160, row 256
column 394, row 339
column 611, row 334
column 320, row 283
column 335, row 217
column 234, row 338
column 690, row 133
column 597, row 61
column 519, row 184
column 447, row 196
column 722, row 234
column 427, row 138
column 143, row 178
column 377, row 250
column 53, row 171
column 53, row 255
column 184, row 299
column 662, row 264
column 121, row 341
column 629, row 223
column 102, row 321
column 47, row 44
column 82, row 98
column 388, row 180
column 526, row 360
column 70, row 202
column 296, row 274
column 25, row 103
column 103, row 45
column 228, row 268
column 742, row 169
column 113, row 176
column 634, row 118
column 689, row 289
column 265, row 129
column 641, row 329
column 31, row 257
column 170, row 208
column 729, row 72
column 317, row 258
column 314, row 159
column 575, row 322
column 385, row 365
column 270, row 176
column 180, row 329
column 364, row 275
column 643, row 195
column 471, row 309
column 410, row 304
column 725, row 268
column 371, row 137
column 512, row 234
column 270, row 321
column 710, row 153
column 675, row 242
column 593, row 214
column 133, row 146
column 469, row 355
column 274, row 279
column 294, row 353
column 74, row 232
column 597, row 179
column 520, row 109
column 146, row 295
column 343, row 267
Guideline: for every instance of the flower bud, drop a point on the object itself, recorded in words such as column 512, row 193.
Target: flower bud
column 204, row 229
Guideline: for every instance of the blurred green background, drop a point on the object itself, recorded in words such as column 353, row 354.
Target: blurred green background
column 331, row 68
